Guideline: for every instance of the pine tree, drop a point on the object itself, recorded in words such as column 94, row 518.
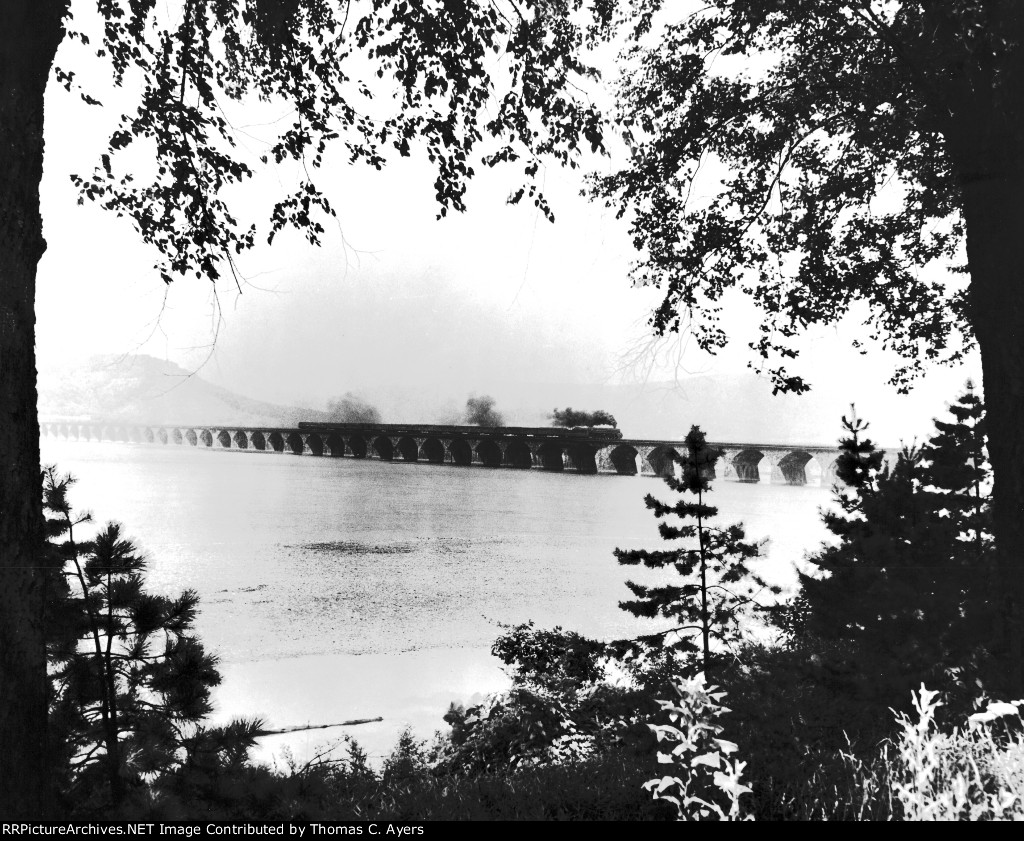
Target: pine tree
column 957, row 478
column 957, row 471
column 901, row 587
column 717, row 587
column 130, row 681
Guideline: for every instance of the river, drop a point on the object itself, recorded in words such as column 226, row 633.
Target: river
column 335, row 589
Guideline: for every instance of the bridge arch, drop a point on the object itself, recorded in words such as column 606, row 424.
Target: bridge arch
column 746, row 464
column 258, row 440
column 623, row 459
column 336, row 444
column 240, row 440
column 518, row 455
column 357, row 444
column 383, row 447
column 315, row 444
column 176, row 436
column 582, row 458
column 794, row 467
column 206, row 437
column 662, row 461
column 551, row 457
column 224, row 438
column 432, row 450
column 276, row 441
column 148, row 436
column 406, row 447
column 161, row 435
column 462, row 452
column 294, row 442
column 488, row 452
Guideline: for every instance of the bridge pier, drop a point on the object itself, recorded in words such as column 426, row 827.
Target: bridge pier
column 510, row 447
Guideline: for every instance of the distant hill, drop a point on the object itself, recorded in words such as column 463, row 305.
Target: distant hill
column 143, row 389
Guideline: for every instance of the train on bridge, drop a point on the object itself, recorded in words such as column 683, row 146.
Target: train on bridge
column 588, row 451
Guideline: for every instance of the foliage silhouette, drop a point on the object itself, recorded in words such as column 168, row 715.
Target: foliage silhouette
column 470, row 84
column 561, row 709
column 909, row 585
column 871, row 144
column 717, row 589
column 131, row 682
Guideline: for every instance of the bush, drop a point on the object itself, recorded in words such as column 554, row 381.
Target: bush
column 705, row 783
column 970, row 774
column 560, row 709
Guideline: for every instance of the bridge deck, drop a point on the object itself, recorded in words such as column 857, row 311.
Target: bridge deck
column 577, row 450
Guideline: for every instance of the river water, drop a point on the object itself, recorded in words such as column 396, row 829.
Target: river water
column 335, row 589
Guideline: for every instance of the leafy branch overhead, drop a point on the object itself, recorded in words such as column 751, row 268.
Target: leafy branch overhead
column 466, row 82
column 812, row 156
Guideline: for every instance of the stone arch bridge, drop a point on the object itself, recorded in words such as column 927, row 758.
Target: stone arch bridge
column 585, row 451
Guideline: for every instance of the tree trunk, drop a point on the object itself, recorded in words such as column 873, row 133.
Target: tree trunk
column 994, row 211
column 29, row 35
column 979, row 112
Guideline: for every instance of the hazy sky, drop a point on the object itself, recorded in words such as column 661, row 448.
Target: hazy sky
column 488, row 302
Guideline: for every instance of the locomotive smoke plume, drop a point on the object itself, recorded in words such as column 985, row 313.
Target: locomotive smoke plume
column 480, row 412
column 351, row 409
